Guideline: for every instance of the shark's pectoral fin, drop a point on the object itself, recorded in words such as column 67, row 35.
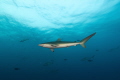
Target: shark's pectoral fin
column 52, row 50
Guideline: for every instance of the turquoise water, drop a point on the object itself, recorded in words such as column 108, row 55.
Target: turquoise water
column 26, row 23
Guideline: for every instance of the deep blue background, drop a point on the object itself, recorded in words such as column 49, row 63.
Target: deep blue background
column 23, row 27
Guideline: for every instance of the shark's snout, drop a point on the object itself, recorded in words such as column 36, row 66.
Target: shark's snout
column 40, row 45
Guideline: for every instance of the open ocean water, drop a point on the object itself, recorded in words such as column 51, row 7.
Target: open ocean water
column 26, row 23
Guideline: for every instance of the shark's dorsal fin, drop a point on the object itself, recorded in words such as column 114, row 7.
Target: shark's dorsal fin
column 52, row 49
column 58, row 39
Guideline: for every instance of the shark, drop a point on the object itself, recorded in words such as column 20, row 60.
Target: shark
column 62, row 44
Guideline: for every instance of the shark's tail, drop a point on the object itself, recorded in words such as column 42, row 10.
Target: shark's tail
column 82, row 43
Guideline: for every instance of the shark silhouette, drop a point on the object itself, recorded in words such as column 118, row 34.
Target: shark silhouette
column 62, row 44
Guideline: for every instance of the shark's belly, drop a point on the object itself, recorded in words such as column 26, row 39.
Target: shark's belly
column 61, row 45
column 65, row 45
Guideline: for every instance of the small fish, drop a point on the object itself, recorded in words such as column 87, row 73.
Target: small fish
column 54, row 71
column 113, row 49
column 47, row 63
column 97, row 50
column 16, row 68
column 24, row 40
column 65, row 59
column 89, row 60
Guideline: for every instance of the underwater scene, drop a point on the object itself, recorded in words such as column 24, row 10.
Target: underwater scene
column 59, row 40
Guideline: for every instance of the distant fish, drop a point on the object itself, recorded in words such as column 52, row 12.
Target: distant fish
column 16, row 68
column 54, row 71
column 24, row 40
column 65, row 59
column 113, row 49
column 97, row 50
column 47, row 63
column 89, row 59
column 85, row 58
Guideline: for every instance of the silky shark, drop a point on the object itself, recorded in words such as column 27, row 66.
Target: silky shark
column 62, row 44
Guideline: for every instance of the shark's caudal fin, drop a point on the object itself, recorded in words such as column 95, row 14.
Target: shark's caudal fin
column 82, row 43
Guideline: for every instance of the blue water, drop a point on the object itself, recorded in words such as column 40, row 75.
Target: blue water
column 26, row 23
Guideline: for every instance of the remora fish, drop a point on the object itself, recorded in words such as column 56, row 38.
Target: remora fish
column 62, row 44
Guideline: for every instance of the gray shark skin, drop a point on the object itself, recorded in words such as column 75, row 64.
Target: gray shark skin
column 62, row 44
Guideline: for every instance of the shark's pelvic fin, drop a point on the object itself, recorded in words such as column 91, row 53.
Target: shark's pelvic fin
column 52, row 49
column 82, row 43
